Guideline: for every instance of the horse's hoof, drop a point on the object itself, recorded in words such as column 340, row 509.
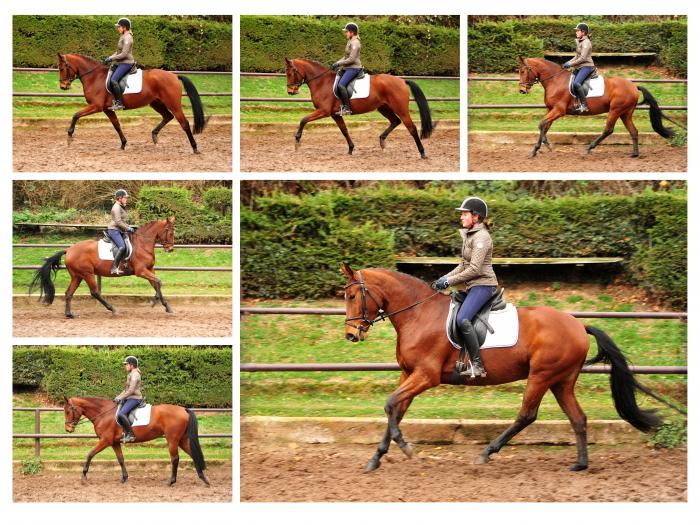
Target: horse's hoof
column 124, row 480
column 481, row 460
column 171, row 482
column 635, row 155
column 83, row 480
column 423, row 156
column 123, row 146
column 69, row 140
column 169, row 311
column 155, row 138
column 578, row 466
column 533, row 153
column 408, row 450
column 549, row 147
column 70, row 316
column 114, row 311
column 381, row 144
column 372, row 464
column 297, row 144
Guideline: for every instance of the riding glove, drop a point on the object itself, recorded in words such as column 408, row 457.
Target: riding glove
column 106, row 60
column 441, row 283
column 116, row 400
column 130, row 230
column 566, row 65
column 334, row 66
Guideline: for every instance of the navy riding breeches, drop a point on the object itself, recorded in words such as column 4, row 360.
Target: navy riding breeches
column 476, row 298
column 128, row 406
column 116, row 236
column 348, row 75
column 122, row 69
column 582, row 75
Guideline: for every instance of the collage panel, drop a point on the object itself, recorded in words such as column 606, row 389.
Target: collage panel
column 102, row 102
column 122, row 258
column 369, row 305
column 323, row 93
column 529, row 74
column 122, row 423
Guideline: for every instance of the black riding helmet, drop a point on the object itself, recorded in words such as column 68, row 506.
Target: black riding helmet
column 350, row 26
column 124, row 22
column 120, row 193
column 583, row 27
column 474, row 205
column 132, row 361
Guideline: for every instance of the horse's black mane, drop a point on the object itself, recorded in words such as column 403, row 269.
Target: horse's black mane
column 85, row 57
column 316, row 62
column 416, row 280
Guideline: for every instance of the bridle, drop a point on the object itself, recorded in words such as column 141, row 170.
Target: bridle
column 157, row 237
column 528, row 83
column 366, row 323
column 75, row 417
column 297, row 75
column 70, row 70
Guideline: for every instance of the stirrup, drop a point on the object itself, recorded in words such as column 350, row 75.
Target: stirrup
column 115, row 271
column 471, row 371
column 117, row 106
column 128, row 438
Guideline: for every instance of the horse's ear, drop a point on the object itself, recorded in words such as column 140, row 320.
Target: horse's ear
column 65, row 399
column 520, row 60
column 171, row 220
column 349, row 272
column 287, row 60
column 60, row 57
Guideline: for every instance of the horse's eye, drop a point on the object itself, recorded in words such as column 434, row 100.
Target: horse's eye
column 352, row 296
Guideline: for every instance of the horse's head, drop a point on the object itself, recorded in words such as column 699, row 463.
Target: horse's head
column 294, row 77
column 66, row 72
column 167, row 235
column 362, row 306
column 71, row 414
column 528, row 76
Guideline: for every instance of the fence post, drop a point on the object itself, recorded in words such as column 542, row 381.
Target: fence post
column 37, row 430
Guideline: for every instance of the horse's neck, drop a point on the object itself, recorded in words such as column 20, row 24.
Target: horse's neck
column 397, row 295
column 548, row 75
column 314, row 72
column 90, row 411
column 146, row 237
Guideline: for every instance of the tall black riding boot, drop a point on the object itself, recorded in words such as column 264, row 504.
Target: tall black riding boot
column 344, row 101
column 117, row 94
column 118, row 259
column 470, row 341
column 126, row 427
column 581, row 99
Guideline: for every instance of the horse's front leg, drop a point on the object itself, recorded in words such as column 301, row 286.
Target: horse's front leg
column 120, row 458
column 88, row 110
column 552, row 115
column 395, row 407
column 101, row 445
column 317, row 114
column 152, row 278
column 117, row 126
column 344, row 130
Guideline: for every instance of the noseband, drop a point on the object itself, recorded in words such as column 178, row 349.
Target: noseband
column 381, row 314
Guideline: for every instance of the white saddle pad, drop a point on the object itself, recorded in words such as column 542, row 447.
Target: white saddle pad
column 142, row 416
column 506, row 327
column 597, row 88
column 361, row 87
column 104, row 250
column 133, row 82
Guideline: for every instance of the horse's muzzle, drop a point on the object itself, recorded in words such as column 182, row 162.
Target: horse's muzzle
column 523, row 91
column 70, row 428
column 64, row 86
column 352, row 338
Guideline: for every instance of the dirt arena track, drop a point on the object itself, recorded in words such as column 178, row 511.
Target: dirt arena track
column 514, row 157
column 333, row 472
column 323, row 148
column 146, row 482
column 200, row 318
column 42, row 146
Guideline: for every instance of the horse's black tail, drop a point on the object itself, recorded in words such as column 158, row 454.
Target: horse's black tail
column 43, row 278
column 197, row 108
column 655, row 114
column 622, row 383
column 426, row 119
column 195, row 447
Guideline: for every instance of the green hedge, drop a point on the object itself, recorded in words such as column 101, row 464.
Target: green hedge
column 188, row 376
column 495, row 46
column 194, row 223
column 168, row 42
column 299, row 242
column 387, row 46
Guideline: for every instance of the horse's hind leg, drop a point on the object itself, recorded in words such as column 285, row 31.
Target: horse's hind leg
column 411, row 127
column 394, row 121
column 629, row 124
column 344, row 130
column 155, row 282
column 317, row 114
column 185, row 445
column 609, row 128
column 167, row 117
column 120, row 458
column 174, row 461
column 90, row 280
column 74, row 283
column 115, row 122
column 564, row 393
column 534, row 391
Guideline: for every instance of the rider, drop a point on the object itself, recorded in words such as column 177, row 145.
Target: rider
column 350, row 64
column 583, row 62
column 117, row 226
column 130, row 397
column 474, row 273
column 124, row 58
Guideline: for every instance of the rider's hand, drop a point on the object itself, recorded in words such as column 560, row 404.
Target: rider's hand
column 116, row 400
column 106, row 60
column 441, row 283
column 130, row 230
column 566, row 65
column 334, row 66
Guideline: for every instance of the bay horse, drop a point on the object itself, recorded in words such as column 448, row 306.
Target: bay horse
column 161, row 90
column 388, row 95
column 550, row 351
column 619, row 102
column 83, row 263
column 177, row 424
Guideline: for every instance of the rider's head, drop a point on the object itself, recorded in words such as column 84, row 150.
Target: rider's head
column 130, row 363
column 474, row 210
column 351, row 30
column 121, row 196
column 123, row 25
column 582, row 29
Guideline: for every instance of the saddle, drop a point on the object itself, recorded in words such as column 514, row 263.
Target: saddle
column 593, row 86
column 480, row 321
column 107, row 250
column 129, row 83
column 139, row 416
column 358, row 86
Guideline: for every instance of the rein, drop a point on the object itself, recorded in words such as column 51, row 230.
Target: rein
column 75, row 72
column 381, row 314
column 77, row 421
column 537, row 80
column 156, row 236
column 298, row 84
